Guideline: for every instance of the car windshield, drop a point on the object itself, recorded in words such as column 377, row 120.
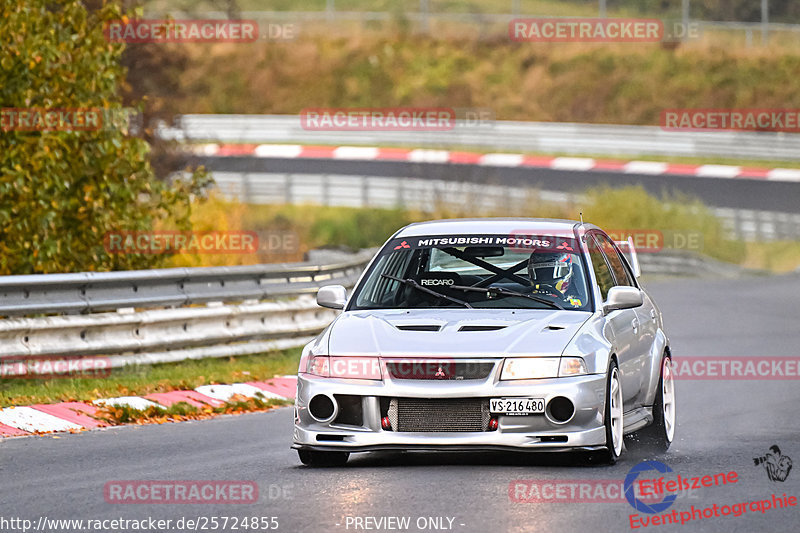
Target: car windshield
column 476, row 271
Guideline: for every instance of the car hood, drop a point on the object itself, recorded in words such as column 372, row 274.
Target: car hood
column 454, row 332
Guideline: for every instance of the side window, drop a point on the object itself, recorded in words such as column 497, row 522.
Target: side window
column 620, row 272
column 378, row 289
column 601, row 271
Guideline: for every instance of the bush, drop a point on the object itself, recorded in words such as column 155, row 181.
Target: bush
column 628, row 208
column 62, row 191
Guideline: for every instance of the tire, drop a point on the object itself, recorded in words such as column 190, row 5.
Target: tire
column 613, row 417
column 317, row 458
column 661, row 432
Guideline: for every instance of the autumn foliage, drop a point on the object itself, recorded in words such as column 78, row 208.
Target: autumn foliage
column 62, row 190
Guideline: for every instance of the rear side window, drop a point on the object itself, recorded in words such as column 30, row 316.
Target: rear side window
column 601, row 271
column 614, row 260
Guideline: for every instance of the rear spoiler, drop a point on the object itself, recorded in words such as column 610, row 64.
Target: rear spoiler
column 629, row 251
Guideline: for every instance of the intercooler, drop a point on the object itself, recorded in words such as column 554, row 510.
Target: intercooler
column 439, row 414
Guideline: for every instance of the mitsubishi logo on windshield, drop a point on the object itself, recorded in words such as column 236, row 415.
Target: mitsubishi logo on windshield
column 440, row 373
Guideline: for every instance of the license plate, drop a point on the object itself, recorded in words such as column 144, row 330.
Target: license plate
column 517, row 406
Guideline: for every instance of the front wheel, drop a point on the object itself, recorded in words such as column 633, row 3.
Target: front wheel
column 317, row 458
column 660, row 433
column 613, row 416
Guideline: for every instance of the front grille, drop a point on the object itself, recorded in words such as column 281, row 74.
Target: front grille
column 439, row 414
column 444, row 370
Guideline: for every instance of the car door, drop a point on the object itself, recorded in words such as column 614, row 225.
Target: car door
column 642, row 323
column 623, row 324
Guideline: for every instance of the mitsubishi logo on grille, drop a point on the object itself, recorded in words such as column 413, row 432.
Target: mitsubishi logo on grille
column 440, row 373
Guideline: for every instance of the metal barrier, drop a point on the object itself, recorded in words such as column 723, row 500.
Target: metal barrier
column 101, row 291
column 172, row 326
column 480, row 198
column 545, row 137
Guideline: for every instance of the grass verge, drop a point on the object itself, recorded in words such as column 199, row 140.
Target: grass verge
column 147, row 379
column 615, row 83
column 118, row 415
column 778, row 256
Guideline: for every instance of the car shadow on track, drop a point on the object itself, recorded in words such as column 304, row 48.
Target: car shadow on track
column 490, row 458
column 635, row 453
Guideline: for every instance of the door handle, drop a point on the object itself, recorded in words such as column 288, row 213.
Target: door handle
column 635, row 324
column 653, row 314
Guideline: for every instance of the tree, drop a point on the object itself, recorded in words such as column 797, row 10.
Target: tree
column 62, row 192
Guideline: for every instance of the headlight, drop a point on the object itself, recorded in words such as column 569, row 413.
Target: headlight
column 351, row 367
column 542, row 367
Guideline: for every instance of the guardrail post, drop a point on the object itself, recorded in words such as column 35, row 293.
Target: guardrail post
column 329, row 10
column 287, row 193
column 400, row 200
column 326, row 190
column 424, row 12
column 246, row 187
column 685, row 16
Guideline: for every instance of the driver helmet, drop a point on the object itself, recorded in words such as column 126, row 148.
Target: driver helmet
column 554, row 269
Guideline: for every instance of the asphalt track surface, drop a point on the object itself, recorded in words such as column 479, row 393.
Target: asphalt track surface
column 722, row 426
column 738, row 193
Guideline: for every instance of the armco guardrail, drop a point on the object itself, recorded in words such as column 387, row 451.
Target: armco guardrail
column 101, row 291
column 546, row 137
column 173, row 326
column 172, row 334
column 430, row 194
column 688, row 263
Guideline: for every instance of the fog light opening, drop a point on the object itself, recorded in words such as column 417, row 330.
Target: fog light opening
column 322, row 408
column 560, row 410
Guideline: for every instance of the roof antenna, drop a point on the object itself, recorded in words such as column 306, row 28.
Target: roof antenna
column 581, row 214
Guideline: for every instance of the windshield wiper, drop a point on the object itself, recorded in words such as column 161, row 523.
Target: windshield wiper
column 508, row 292
column 413, row 283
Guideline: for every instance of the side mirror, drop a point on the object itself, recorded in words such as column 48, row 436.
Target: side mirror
column 332, row 296
column 623, row 298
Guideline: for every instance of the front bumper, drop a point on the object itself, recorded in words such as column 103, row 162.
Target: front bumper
column 585, row 430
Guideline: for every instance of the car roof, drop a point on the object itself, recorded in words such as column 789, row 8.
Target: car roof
column 496, row 226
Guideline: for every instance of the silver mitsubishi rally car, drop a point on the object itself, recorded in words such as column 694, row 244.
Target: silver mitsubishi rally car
column 488, row 334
